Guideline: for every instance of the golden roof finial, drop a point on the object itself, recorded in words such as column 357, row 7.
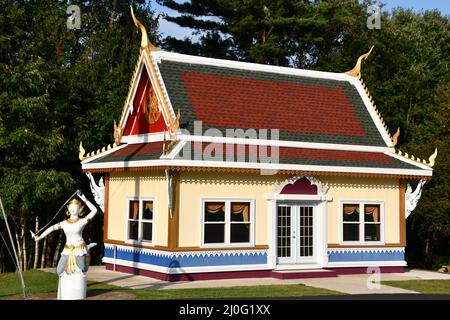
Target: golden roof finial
column 82, row 152
column 144, row 40
column 356, row 71
column 395, row 137
column 432, row 158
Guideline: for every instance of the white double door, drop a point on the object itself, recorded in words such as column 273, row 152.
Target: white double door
column 296, row 233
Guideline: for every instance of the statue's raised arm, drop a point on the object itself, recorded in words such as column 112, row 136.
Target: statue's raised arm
column 92, row 208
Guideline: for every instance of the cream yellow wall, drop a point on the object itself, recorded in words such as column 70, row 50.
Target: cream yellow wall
column 195, row 186
column 360, row 189
column 137, row 184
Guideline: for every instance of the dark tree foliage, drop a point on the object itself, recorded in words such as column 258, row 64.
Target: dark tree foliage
column 59, row 86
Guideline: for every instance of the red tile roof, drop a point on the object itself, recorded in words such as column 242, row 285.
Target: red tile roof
column 237, row 102
column 297, row 153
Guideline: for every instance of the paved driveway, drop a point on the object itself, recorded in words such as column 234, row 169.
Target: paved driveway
column 352, row 284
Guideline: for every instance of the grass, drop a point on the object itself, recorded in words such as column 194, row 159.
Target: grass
column 41, row 282
column 268, row 291
column 35, row 281
column 422, row 286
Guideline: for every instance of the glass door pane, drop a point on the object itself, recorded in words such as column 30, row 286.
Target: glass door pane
column 284, row 228
column 306, row 232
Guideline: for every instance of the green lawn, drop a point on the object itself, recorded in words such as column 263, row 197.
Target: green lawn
column 35, row 281
column 40, row 282
column 422, row 286
column 292, row 290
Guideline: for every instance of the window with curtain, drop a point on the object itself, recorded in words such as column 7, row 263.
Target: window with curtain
column 133, row 220
column 227, row 222
column 350, row 221
column 372, row 222
column 240, row 222
column 214, row 231
column 361, row 222
column 140, row 220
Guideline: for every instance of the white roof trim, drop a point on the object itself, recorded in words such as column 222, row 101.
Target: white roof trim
column 285, row 143
column 263, row 166
column 143, row 138
column 376, row 120
column 132, row 93
column 152, row 137
column 177, row 57
column 150, row 59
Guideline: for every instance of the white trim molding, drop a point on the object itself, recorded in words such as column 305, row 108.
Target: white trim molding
column 355, row 264
column 273, row 167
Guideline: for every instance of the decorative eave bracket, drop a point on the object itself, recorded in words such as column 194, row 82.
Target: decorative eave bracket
column 412, row 197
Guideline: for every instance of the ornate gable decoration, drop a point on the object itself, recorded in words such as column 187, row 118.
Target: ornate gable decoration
column 146, row 109
column 152, row 113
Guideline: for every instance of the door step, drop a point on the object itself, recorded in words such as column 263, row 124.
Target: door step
column 301, row 274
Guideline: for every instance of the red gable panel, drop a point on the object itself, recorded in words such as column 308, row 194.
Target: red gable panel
column 137, row 122
column 236, row 102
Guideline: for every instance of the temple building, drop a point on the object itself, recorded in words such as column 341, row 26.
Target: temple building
column 225, row 169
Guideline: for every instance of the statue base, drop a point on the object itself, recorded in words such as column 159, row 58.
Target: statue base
column 72, row 286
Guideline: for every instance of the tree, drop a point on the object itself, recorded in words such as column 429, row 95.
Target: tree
column 59, row 86
column 282, row 32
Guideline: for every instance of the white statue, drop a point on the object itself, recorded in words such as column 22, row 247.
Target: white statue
column 97, row 190
column 412, row 198
column 72, row 265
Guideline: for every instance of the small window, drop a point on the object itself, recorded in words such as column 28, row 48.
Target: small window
column 214, row 231
column 372, row 222
column 361, row 222
column 227, row 222
column 350, row 220
column 133, row 220
column 140, row 220
column 240, row 222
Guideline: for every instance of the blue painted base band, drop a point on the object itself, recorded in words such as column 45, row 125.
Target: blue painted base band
column 176, row 260
column 366, row 255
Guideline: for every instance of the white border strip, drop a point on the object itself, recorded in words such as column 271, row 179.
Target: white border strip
column 368, row 250
column 284, row 143
column 151, row 137
column 351, row 264
column 245, row 165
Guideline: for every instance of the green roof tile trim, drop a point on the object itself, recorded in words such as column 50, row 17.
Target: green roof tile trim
column 171, row 74
column 133, row 152
column 396, row 164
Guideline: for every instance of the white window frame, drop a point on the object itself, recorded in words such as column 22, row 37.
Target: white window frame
column 361, row 204
column 228, row 243
column 140, row 241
